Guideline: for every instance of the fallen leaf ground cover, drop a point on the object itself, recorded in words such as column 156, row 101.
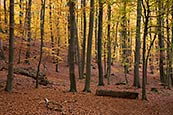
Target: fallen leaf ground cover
column 25, row 99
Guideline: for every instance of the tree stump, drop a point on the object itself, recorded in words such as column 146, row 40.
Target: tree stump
column 118, row 94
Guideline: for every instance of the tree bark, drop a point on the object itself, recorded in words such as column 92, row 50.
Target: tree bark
column 136, row 82
column 89, row 48
column 28, row 32
column 84, row 36
column 99, row 61
column 118, row 94
column 109, row 45
column 161, row 42
column 9, row 83
column 72, row 46
column 42, row 20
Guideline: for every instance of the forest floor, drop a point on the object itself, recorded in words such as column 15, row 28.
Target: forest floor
column 25, row 99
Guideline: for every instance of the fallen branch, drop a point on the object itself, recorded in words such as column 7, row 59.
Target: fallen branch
column 52, row 105
column 31, row 72
column 118, row 94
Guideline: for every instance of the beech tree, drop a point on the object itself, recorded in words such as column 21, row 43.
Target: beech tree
column 72, row 22
column 9, row 83
column 89, row 48
column 136, row 82
column 99, row 60
column 42, row 20
column 28, row 16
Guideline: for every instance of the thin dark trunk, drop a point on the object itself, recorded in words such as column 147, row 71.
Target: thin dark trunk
column 42, row 19
column 5, row 15
column 96, row 35
column 89, row 48
column 109, row 45
column 124, row 40
column 172, row 45
column 99, row 61
column 161, row 42
column 144, row 69
column 168, row 50
column 72, row 46
column 9, row 83
column 28, row 52
column 84, row 37
column 21, row 30
column 136, row 82
column 51, row 28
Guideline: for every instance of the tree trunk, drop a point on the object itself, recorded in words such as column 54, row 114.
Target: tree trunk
column 21, row 30
column 118, row 94
column 124, row 40
column 144, row 65
column 28, row 32
column 161, row 42
column 5, row 16
column 109, row 45
column 136, row 82
column 89, row 48
column 168, row 50
column 84, row 36
column 42, row 20
column 51, row 29
column 99, row 61
column 72, row 46
column 172, row 45
column 9, row 86
column 96, row 35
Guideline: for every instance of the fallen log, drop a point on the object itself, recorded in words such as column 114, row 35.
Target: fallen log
column 118, row 94
column 31, row 72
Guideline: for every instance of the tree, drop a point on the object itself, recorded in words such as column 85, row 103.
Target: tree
column 42, row 20
column 109, row 44
column 28, row 14
column 144, row 64
column 89, row 48
column 21, row 30
column 84, row 36
column 137, row 46
column 5, row 15
column 161, row 42
column 99, row 60
column 72, row 23
column 124, row 39
column 9, row 82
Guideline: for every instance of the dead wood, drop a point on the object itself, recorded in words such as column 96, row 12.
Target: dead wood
column 31, row 72
column 53, row 105
column 118, row 94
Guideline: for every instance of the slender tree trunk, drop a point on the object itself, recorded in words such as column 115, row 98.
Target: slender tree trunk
column 161, row 42
column 99, row 61
column 144, row 65
column 9, row 82
column 51, row 29
column 84, row 37
column 168, row 50
column 21, row 30
column 96, row 34
column 124, row 40
column 172, row 45
column 28, row 32
column 5, row 15
column 109, row 45
column 42, row 20
column 89, row 48
column 72, row 46
column 78, row 55
column 136, row 82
